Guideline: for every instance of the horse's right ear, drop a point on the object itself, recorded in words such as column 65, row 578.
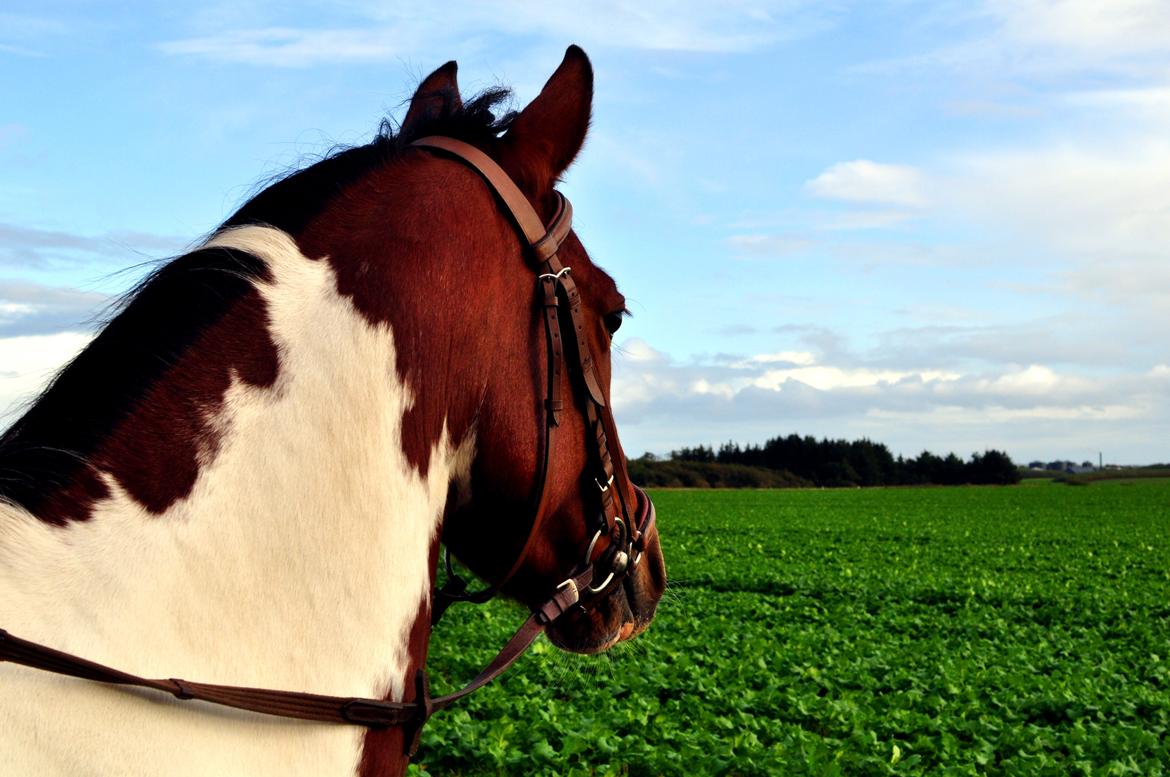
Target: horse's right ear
column 437, row 97
column 545, row 137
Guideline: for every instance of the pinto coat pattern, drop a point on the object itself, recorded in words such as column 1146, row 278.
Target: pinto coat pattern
column 244, row 480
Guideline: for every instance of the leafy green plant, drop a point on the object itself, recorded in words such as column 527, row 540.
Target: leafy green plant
column 976, row 630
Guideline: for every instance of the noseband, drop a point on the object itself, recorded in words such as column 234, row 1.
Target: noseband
column 625, row 529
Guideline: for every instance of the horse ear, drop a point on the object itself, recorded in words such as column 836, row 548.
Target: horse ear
column 437, row 97
column 545, row 137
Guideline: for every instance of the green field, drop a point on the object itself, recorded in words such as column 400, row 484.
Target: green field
column 977, row 630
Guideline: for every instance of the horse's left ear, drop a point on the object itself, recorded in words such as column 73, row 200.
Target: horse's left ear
column 437, row 97
column 545, row 137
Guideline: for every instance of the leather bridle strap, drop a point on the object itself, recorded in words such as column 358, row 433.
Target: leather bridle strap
column 372, row 713
column 556, row 282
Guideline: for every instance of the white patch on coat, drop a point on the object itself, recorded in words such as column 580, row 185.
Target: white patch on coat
column 299, row 561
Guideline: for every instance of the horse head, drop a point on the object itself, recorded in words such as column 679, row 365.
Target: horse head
column 538, row 506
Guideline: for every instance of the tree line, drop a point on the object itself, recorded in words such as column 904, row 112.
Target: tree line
column 797, row 460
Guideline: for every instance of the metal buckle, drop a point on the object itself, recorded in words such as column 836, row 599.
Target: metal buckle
column 572, row 585
column 608, row 483
column 554, row 276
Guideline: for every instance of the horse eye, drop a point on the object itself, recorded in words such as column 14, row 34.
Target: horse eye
column 613, row 321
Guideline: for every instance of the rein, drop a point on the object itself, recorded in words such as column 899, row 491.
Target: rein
column 625, row 529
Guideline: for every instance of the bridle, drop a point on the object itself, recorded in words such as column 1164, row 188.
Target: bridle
column 625, row 529
column 557, row 292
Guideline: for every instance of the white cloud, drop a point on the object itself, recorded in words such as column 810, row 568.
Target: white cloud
column 26, row 246
column 30, row 308
column 863, row 219
column 1042, row 39
column 802, row 358
column 637, row 350
column 962, row 416
column 1090, row 212
column 26, row 28
column 1115, row 27
column 1082, row 197
column 1032, row 410
column 828, row 378
column 290, row 47
column 768, row 245
column 27, row 364
column 872, row 182
column 1149, row 103
column 386, row 33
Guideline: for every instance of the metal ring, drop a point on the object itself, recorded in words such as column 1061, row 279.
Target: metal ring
column 595, row 589
column 592, row 544
column 600, row 588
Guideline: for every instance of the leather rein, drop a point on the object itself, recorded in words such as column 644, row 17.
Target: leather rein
column 625, row 528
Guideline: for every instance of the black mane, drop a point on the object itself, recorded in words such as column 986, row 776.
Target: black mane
column 48, row 447
column 292, row 202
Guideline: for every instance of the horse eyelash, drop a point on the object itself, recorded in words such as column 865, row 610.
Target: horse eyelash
column 613, row 320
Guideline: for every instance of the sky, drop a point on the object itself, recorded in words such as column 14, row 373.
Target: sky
column 941, row 226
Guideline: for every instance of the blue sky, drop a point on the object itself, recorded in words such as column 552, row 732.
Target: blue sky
column 940, row 225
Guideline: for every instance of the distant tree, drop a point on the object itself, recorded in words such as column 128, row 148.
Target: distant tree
column 954, row 471
column 700, row 453
column 927, row 468
column 729, row 453
column 992, row 468
column 829, row 462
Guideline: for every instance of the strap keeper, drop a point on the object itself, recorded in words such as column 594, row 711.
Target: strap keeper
column 412, row 731
column 546, row 248
column 566, row 596
column 182, row 690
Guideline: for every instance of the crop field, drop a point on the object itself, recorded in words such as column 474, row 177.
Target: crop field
column 982, row 630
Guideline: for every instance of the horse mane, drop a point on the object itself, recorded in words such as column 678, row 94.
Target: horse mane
column 291, row 202
column 53, row 442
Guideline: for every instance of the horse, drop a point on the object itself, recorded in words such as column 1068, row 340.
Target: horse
column 248, row 475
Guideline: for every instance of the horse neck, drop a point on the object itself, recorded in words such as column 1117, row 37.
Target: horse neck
column 303, row 553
